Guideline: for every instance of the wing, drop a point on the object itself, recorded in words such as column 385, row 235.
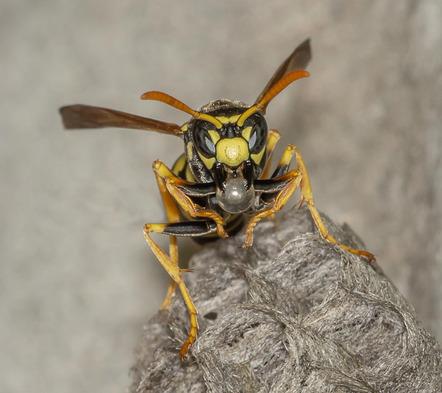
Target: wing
column 298, row 60
column 85, row 116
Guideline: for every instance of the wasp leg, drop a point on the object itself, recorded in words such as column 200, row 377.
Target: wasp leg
column 280, row 169
column 173, row 191
column 293, row 180
column 173, row 215
column 197, row 228
column 284, row 162
column 290, row 182
column 307, row 197
column 194, row 210
column 282, row 184
column 284, row 190
column 175, row 186
column 271, row 143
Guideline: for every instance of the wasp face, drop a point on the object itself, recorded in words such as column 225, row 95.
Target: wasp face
column 234, row 155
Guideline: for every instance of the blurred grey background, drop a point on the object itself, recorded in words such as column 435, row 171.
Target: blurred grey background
column 77, row 279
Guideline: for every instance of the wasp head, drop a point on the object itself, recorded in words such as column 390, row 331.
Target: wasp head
column 226, row 142
column 234, row 154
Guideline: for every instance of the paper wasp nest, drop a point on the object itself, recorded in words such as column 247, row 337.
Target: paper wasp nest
column 293, row 314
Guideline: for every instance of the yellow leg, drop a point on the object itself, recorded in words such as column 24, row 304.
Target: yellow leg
column 299, row 177
column 171, row 194
column 190, row 208
column 174, row 272
column 287, row 157
column 279, row 203
column 172, row 184
column 307, row 197
column 280, row 200
column 170, row 294
column 271, row 143
column 173, row 215
column 171, row 263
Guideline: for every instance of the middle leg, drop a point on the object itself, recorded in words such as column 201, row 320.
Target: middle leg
column 173, row 215
column 307, row 197
column 299, row 178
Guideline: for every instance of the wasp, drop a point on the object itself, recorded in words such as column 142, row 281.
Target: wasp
column 222, row 179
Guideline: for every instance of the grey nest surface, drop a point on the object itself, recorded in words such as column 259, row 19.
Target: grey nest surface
column 292, row 314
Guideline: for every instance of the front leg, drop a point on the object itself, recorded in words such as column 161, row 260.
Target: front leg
column 282, row 185
column 193, row 209
column 178, row 187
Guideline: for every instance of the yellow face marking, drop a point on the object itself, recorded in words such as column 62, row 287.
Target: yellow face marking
column 189, row 174
column 214, row 136
column 179, row 164
column 189, row 150
column 232, row 151
column 227, row 120
column 257, row 157
column 246, row 133
column 208, row 162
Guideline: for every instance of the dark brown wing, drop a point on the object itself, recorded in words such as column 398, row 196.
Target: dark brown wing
column 85, row 116
column 298, row 60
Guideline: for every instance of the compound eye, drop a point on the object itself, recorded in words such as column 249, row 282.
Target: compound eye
column 203, row 142
column 258, row 136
